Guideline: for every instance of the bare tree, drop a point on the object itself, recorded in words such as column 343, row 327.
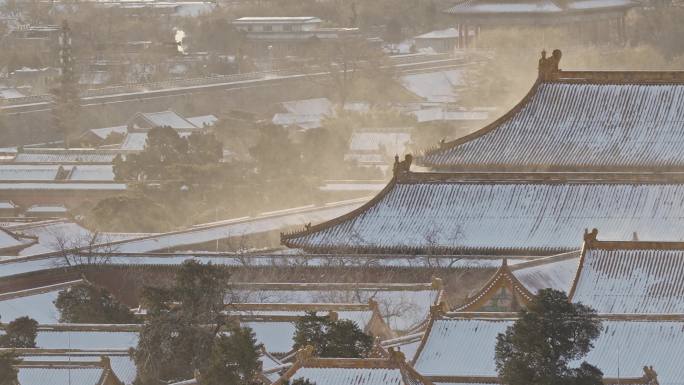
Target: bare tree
column 88, row 248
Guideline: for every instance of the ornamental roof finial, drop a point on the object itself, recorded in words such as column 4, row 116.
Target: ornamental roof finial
column 590, row 237
column 548, row 67
column 403, row 166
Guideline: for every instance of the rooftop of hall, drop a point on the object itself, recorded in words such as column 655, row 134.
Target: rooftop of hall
column 603, row 121
column 500, row 213
column 537, row 12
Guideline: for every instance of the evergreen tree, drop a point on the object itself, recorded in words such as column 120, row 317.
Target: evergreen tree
column 85, row 303
column 332, row 338
column 8, row 372
column 183, row 332
column 234, row 358
column 20, row 333
column 543, row 344
column 67, row 99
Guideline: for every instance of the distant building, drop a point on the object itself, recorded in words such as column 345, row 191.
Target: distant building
column 440, row 41
column 282, row 36
column 588, row 19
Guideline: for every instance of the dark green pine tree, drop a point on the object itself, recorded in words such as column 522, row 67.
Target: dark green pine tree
column 331, row 338
column 20, row 333
column 66, row 95
column 545, row 344
column 8, row 372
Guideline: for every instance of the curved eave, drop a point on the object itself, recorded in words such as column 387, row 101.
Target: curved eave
column 481, row 132
column 289, row 239
column 565, row 77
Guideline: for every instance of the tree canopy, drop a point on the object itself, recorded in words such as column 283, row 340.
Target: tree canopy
column 186, row 331
column 8, row 372
column 20, row 333
column 165, row 150
column 85, row 303
column 546, row 341
column 332, row 338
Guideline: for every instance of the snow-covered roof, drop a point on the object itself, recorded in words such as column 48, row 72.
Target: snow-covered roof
column 104, row 132
column 535, row 7
column 434, row 86
column 203, row 120
column 403, row 306
column 407, row 344
column 631, row 277
column 36, row 303
column 555, row 272
column 122, row 363
column 64, row 156
column 533, row 214
column 162, row 119
column 464, row 346
column 86, row 339
column 303, row 121
column 60, row 375
column 580, row 121
column 43, row 209
column 449, row 33
column 9, row 241
column 52, row 172
column 353, row 371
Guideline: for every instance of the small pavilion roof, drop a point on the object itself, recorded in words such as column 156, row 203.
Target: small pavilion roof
column 580, row 120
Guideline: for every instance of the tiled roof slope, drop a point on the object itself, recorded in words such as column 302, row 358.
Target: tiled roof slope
column 464, row 346
column 620, row 121
column 353, row 371
column 535, row 7
column 534, row 214
column 631, row 277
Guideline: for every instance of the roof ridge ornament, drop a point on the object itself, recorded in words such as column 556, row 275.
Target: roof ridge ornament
column 650, row 376
column 590, row 237
column 403, row 166
column 548, row 66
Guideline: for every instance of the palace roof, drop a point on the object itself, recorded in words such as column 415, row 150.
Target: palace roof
column 500, row 213
column 631, row 277
column 463, row 345
column 537, row 11
column 36, row 303
column 403, row 306
column 574, row 120
column 353, row 371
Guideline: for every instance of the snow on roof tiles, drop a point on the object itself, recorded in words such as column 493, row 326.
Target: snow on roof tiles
column 434, row 86
column 465, row 347
column 86, row 340
column 60, row 375
column 458, row 213
column 646, row 280
column 570, row 126
column 555, row 272
column 167, row 119
column 401, row 308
